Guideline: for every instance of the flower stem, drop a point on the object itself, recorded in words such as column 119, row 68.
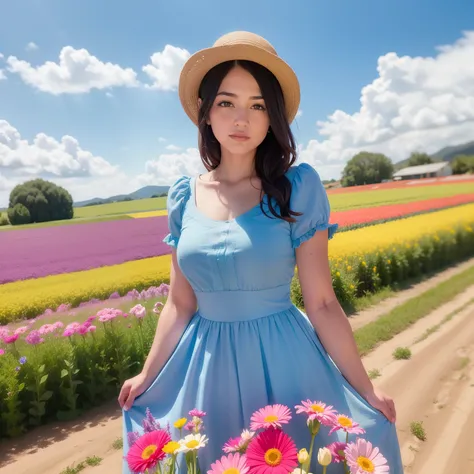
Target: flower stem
column 310, row 457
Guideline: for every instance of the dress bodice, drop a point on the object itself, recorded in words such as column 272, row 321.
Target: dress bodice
column 251, row 253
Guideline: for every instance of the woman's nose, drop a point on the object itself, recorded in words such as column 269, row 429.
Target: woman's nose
column 241, row 118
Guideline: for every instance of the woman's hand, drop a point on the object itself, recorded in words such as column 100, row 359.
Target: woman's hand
column 131, row 389
column 383, row 403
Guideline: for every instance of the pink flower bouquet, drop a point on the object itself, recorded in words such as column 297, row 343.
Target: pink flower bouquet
column 265, row 448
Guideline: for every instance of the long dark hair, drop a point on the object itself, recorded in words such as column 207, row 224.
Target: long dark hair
column 274, row 155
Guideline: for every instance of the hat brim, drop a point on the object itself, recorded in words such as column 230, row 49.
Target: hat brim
column 197, row 66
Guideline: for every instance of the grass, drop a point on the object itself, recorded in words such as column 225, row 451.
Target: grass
column 90, row 461
column 118, row 444
column 374, row 373
column 402, row 353
column 403, row 316
column 416, row 428
column 124, row 207
column 447, row 318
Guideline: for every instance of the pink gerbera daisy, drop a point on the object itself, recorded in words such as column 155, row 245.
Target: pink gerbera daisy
column 147, row 451
column 343, row 422
column 232, row 463
column 317, row 411
column 363, row 458
column 270, row 416
column 232, row 445
column 196, row 412
column 272, row 452
column 337, row 451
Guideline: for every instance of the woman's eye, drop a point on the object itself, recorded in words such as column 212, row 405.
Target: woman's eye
column 259, row 107
column 224, row 103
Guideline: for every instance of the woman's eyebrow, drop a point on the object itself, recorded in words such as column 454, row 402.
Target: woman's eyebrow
column 231, row 94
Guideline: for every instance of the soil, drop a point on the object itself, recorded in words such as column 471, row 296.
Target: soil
column 434, row 387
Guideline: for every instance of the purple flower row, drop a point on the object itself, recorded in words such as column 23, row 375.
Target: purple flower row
column 38, row 252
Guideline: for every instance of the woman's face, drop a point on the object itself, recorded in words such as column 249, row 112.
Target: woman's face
column 238, row 116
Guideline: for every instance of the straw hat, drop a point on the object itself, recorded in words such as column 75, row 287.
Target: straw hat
column 237, row 45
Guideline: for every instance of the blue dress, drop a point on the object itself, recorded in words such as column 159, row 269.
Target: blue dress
column 247, row 345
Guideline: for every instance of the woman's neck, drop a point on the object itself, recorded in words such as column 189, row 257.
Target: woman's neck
column 235, row 168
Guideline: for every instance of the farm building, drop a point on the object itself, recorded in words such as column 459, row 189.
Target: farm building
column 431, row 170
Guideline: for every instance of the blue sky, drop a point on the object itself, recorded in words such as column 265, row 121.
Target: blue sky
column 121, row 134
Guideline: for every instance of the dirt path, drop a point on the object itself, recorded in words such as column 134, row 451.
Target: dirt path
column 436, row 386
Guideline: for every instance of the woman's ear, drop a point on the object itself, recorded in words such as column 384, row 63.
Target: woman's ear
column 199, row 102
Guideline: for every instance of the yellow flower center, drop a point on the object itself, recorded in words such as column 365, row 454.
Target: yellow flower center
column 149, row 451
column 344, row 421
column 192, row 444
column 366, row 464
column 273, row 457
column 317, row 408
column 180, row 423
column 270, row 418
column 171, row 447
column 231, row 470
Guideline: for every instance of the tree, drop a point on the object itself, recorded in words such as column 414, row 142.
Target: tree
column 367, row 168
column 44, row 201
column 419, row 159
column 463, row 164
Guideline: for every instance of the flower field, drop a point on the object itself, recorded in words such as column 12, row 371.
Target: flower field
column 54, row 365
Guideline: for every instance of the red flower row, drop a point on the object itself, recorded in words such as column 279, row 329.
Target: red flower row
column 371, row 214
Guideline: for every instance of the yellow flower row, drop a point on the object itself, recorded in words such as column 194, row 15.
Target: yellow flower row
column 28, row 298
column 379, row 237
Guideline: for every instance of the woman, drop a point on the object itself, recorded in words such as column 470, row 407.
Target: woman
column 237, row 233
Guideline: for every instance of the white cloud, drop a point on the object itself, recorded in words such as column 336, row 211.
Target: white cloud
column 5, row 184
column 165, row 67
column 77, row 72
column 299, row 113
column 168, row 167
column 415, row 104
column 49, row 157
column 31, row 46
column 173, row 148
column 1, row 56
column 2, row 75
column 162, row 139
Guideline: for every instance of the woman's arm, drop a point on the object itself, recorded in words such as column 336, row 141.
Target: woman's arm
column 331, row 323
column 180, row 306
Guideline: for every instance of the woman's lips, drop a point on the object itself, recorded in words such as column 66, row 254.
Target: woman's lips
column 239, row 138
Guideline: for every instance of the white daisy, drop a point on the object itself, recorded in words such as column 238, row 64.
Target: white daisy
column 192, row 442
column 247, row 435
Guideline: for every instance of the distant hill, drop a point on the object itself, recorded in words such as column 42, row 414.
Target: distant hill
column 142, row 193
column 450, row 152
column 445, row 154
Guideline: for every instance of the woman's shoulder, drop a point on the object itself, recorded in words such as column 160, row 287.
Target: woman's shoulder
column 179, row 192
column 303, row 175
column 180, row 186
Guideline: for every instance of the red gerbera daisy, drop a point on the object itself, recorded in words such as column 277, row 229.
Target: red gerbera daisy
column 272, row 452
column 147, row 451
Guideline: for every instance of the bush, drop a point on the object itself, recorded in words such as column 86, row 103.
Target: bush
column 19, row 215
column 4, row 220
column 44, row 200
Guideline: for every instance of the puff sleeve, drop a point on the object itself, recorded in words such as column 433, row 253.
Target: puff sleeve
column 178, row 194
column 309, row 197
